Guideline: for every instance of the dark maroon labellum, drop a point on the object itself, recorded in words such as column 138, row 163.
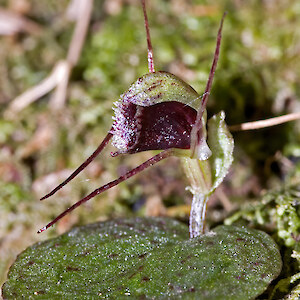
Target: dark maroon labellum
column 160, row 126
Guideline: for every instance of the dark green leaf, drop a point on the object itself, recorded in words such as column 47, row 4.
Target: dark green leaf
column 146, row 258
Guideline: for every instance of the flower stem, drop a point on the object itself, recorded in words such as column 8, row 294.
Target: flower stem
column 197, row 214
column 199, row 175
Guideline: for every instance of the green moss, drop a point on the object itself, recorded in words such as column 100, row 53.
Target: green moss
column 276, row 209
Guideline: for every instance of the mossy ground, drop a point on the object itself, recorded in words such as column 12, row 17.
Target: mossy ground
column 257, row 77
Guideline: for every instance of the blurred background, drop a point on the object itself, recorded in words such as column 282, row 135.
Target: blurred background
column 50, row 130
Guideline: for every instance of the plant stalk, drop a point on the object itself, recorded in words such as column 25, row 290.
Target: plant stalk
column 199, row 175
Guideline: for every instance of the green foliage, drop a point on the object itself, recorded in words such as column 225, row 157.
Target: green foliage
column 284, row 285
column 207, row 175
column 148, row 258
column 221, row 143
column 276, row 209
column 6, row 129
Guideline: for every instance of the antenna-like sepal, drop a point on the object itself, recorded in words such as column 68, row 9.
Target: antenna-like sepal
column 82, row 166
column 150, row 162
column 150, row 49
column 197, row 128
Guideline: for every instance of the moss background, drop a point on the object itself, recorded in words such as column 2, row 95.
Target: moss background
column 258, row 77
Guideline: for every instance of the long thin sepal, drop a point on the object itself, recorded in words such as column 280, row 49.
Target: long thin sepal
column 150, row 49
column 81, row 167
column 153, row 160
column 198, row 124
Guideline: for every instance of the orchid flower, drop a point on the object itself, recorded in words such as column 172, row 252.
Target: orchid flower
column 160, row 111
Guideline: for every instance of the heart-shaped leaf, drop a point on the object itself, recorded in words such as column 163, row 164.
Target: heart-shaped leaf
column 146, row 258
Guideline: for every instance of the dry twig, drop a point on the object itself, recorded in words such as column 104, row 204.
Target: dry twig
column 12, row 23
column 59, row 77
column 265, row 123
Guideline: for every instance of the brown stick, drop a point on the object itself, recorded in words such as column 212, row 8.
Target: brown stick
column 37, row 91
column 59, row 77
column 59, row 97
column 80, row 32
column 265, row 123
